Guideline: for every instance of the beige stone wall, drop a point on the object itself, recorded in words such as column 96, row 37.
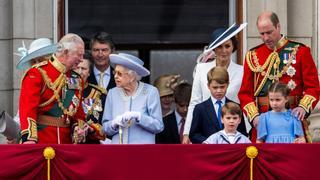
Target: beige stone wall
column 20, row 20
column 32, row 19
column 297, row 23
column 6, row 55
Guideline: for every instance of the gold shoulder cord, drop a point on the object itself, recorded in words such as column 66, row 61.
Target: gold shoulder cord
column 56, row 88
column 273, row 60
column 257, row 67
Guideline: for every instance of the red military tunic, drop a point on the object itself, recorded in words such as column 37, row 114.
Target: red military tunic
column 290, row 63
column 49, row 102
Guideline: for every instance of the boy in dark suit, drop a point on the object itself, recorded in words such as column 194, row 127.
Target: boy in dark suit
column 207, row 115
column 174, row 122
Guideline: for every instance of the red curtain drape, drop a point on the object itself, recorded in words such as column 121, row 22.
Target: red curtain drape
column 281, row 161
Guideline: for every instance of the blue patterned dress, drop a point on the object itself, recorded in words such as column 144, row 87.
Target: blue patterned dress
column 279, row 127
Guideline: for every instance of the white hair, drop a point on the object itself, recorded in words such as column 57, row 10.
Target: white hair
column 69, row 42
column 134, row 74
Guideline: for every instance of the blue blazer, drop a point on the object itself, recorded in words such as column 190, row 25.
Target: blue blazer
column 205, row 122
column 170, row 134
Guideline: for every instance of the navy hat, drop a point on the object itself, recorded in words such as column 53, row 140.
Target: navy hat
column 221, row 35
column 129, row 61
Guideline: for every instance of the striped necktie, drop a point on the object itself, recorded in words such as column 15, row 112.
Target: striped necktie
column 181, row 123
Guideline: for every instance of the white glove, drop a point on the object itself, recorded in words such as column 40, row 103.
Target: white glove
column 132, row 115
column 118, row 121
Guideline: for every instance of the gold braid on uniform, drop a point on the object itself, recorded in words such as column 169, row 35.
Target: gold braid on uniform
column 306, row 102
column 31, row 131
column 269, row 62
column 56, row 88
column 57, row 85
column 252, row 110
column 273, row 61
column 257, row 67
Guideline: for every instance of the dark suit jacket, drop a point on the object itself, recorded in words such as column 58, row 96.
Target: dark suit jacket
column 170, row 134
column 205, row 122
column 112, row 83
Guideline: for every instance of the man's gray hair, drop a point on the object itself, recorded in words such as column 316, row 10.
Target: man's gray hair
column 69, row 42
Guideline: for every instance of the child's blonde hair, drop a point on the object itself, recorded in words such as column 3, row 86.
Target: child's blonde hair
column 218, row 74
column 231, row 108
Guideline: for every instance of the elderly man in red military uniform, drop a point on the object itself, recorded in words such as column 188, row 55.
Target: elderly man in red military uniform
column 278, row 59
column 51, row 94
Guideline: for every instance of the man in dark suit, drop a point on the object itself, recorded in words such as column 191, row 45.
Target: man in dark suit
column 207, row 115
column 174, row 122
column 101, row 72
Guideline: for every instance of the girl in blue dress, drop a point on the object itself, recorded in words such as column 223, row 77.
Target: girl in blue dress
column 279, row 125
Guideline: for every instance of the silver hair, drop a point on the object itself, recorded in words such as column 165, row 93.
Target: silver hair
column 134, row 74
column 69, row 42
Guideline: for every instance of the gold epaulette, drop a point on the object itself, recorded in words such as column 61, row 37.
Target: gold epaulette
column 42, row 63
column 101, row 89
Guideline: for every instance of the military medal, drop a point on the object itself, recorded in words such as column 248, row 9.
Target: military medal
column 285, row 58
column 98, row 106
column 64, row 92
column 75, row 100
column 85, row 107
column 73, row 83
column 95, row 114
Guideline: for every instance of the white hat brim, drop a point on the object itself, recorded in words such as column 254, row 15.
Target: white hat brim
column 116, row 59
column 211, row 46
column 23, row 63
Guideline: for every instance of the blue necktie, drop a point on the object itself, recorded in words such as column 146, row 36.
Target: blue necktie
column 219, row 102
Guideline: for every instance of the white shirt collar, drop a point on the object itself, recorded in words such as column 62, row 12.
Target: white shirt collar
column 97, row 71
column 229, row 134
column 214, row 100
column 178, row 117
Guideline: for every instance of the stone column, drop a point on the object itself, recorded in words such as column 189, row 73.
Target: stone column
column 6, row 57
column 32, row 19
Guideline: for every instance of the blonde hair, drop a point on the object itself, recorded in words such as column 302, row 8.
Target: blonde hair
column 231, row 108
column 218, row 74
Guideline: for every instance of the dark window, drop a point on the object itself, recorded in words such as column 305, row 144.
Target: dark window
column 157, row 23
